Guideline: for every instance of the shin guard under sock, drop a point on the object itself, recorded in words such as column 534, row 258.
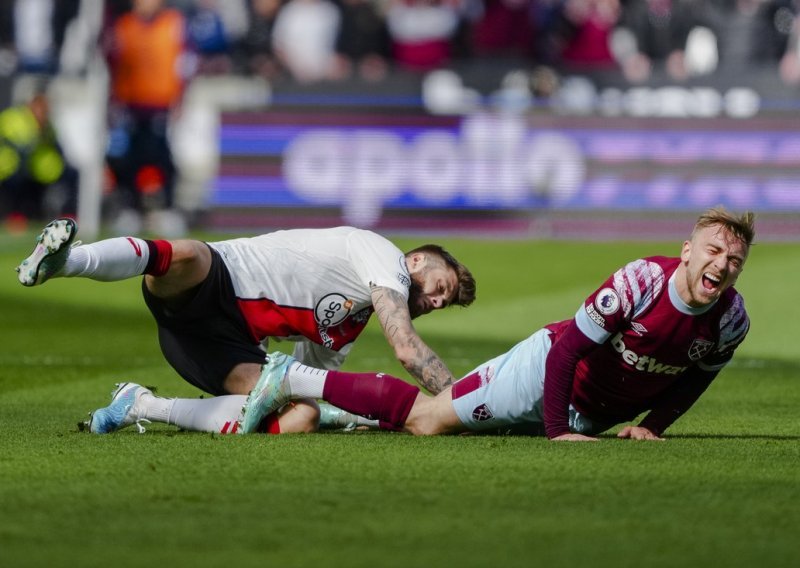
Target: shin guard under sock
column 375, row 396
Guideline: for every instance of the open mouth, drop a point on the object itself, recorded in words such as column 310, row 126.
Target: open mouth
column 711, row 282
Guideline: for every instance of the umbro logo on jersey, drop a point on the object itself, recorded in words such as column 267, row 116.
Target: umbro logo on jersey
column 482, row 413
column 638, row 328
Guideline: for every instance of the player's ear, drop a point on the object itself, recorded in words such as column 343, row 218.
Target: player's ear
column 686, row 250
column 416, row 261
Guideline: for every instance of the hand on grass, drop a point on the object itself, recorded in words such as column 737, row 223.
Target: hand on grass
column 637, row 433
column 574, row 438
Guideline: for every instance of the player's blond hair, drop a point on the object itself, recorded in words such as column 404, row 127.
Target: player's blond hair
column 740, row 226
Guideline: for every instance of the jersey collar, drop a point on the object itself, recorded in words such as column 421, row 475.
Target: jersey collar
column 682, row 306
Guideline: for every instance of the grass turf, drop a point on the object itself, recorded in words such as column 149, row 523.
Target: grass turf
column 723, row 490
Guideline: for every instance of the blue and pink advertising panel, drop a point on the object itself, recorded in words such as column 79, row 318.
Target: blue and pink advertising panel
column 367, row 169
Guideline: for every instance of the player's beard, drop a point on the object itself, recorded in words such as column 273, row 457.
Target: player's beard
column 700, row 296
column 414, row 293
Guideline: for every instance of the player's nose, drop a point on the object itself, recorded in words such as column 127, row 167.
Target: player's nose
column 720, row 262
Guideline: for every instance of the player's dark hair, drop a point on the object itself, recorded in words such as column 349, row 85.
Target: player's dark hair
column 465, row 292
column 740, row 226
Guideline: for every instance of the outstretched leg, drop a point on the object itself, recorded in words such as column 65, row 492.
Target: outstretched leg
column 133, row 404
column 171, row 268
column 173, row 271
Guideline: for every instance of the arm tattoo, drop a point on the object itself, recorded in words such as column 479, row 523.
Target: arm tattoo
column 430, row 370
column 392, row 311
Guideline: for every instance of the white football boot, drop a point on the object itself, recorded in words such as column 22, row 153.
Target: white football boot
column 50, row 253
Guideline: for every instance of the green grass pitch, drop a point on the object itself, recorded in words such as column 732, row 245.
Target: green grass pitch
column 724, row 490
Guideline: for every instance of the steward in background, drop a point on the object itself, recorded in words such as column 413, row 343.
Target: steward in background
column 36, row 181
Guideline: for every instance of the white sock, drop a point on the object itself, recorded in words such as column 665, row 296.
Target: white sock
column 155, row 408
column 108, row 260
column 305, row 381
column 218, row 414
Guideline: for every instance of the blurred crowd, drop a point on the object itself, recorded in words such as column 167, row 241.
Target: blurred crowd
column 153, row 48
column 328, row 40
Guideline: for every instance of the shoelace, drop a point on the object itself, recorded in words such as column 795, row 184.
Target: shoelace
column 139, row 420
column 139, row 426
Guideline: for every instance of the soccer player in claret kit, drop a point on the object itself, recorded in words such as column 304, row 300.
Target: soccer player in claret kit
column 650, row 339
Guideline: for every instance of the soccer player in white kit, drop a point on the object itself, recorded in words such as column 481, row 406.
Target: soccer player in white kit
column 217, row 303
column 650, row 340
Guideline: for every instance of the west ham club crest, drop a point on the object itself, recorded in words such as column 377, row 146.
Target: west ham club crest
column 699, row 349
column 481, row 413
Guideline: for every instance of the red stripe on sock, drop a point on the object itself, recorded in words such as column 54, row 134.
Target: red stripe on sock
column 225, row 428
column 160, row 257
column 270, row 425
column 137, row 249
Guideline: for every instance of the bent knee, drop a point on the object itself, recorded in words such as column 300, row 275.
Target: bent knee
column 242, row 378
column 301, row 416
column 189, row 266
column 188, row 251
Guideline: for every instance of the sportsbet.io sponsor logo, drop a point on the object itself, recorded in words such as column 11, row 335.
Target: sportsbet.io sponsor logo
column 331, row 310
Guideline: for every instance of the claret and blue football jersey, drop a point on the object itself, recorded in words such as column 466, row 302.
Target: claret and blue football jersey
column 648, row 338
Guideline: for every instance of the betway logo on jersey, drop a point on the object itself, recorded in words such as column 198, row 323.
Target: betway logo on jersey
column 642, row 362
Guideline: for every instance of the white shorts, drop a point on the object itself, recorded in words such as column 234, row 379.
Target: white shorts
column 505, row 393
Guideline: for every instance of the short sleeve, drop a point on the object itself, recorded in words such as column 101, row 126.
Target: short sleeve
column 378, row 262
column 623, row 296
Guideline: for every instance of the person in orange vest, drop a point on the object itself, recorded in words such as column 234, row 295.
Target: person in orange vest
column 149, row 62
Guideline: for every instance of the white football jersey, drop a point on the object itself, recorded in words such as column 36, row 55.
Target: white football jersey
column 312, row 283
